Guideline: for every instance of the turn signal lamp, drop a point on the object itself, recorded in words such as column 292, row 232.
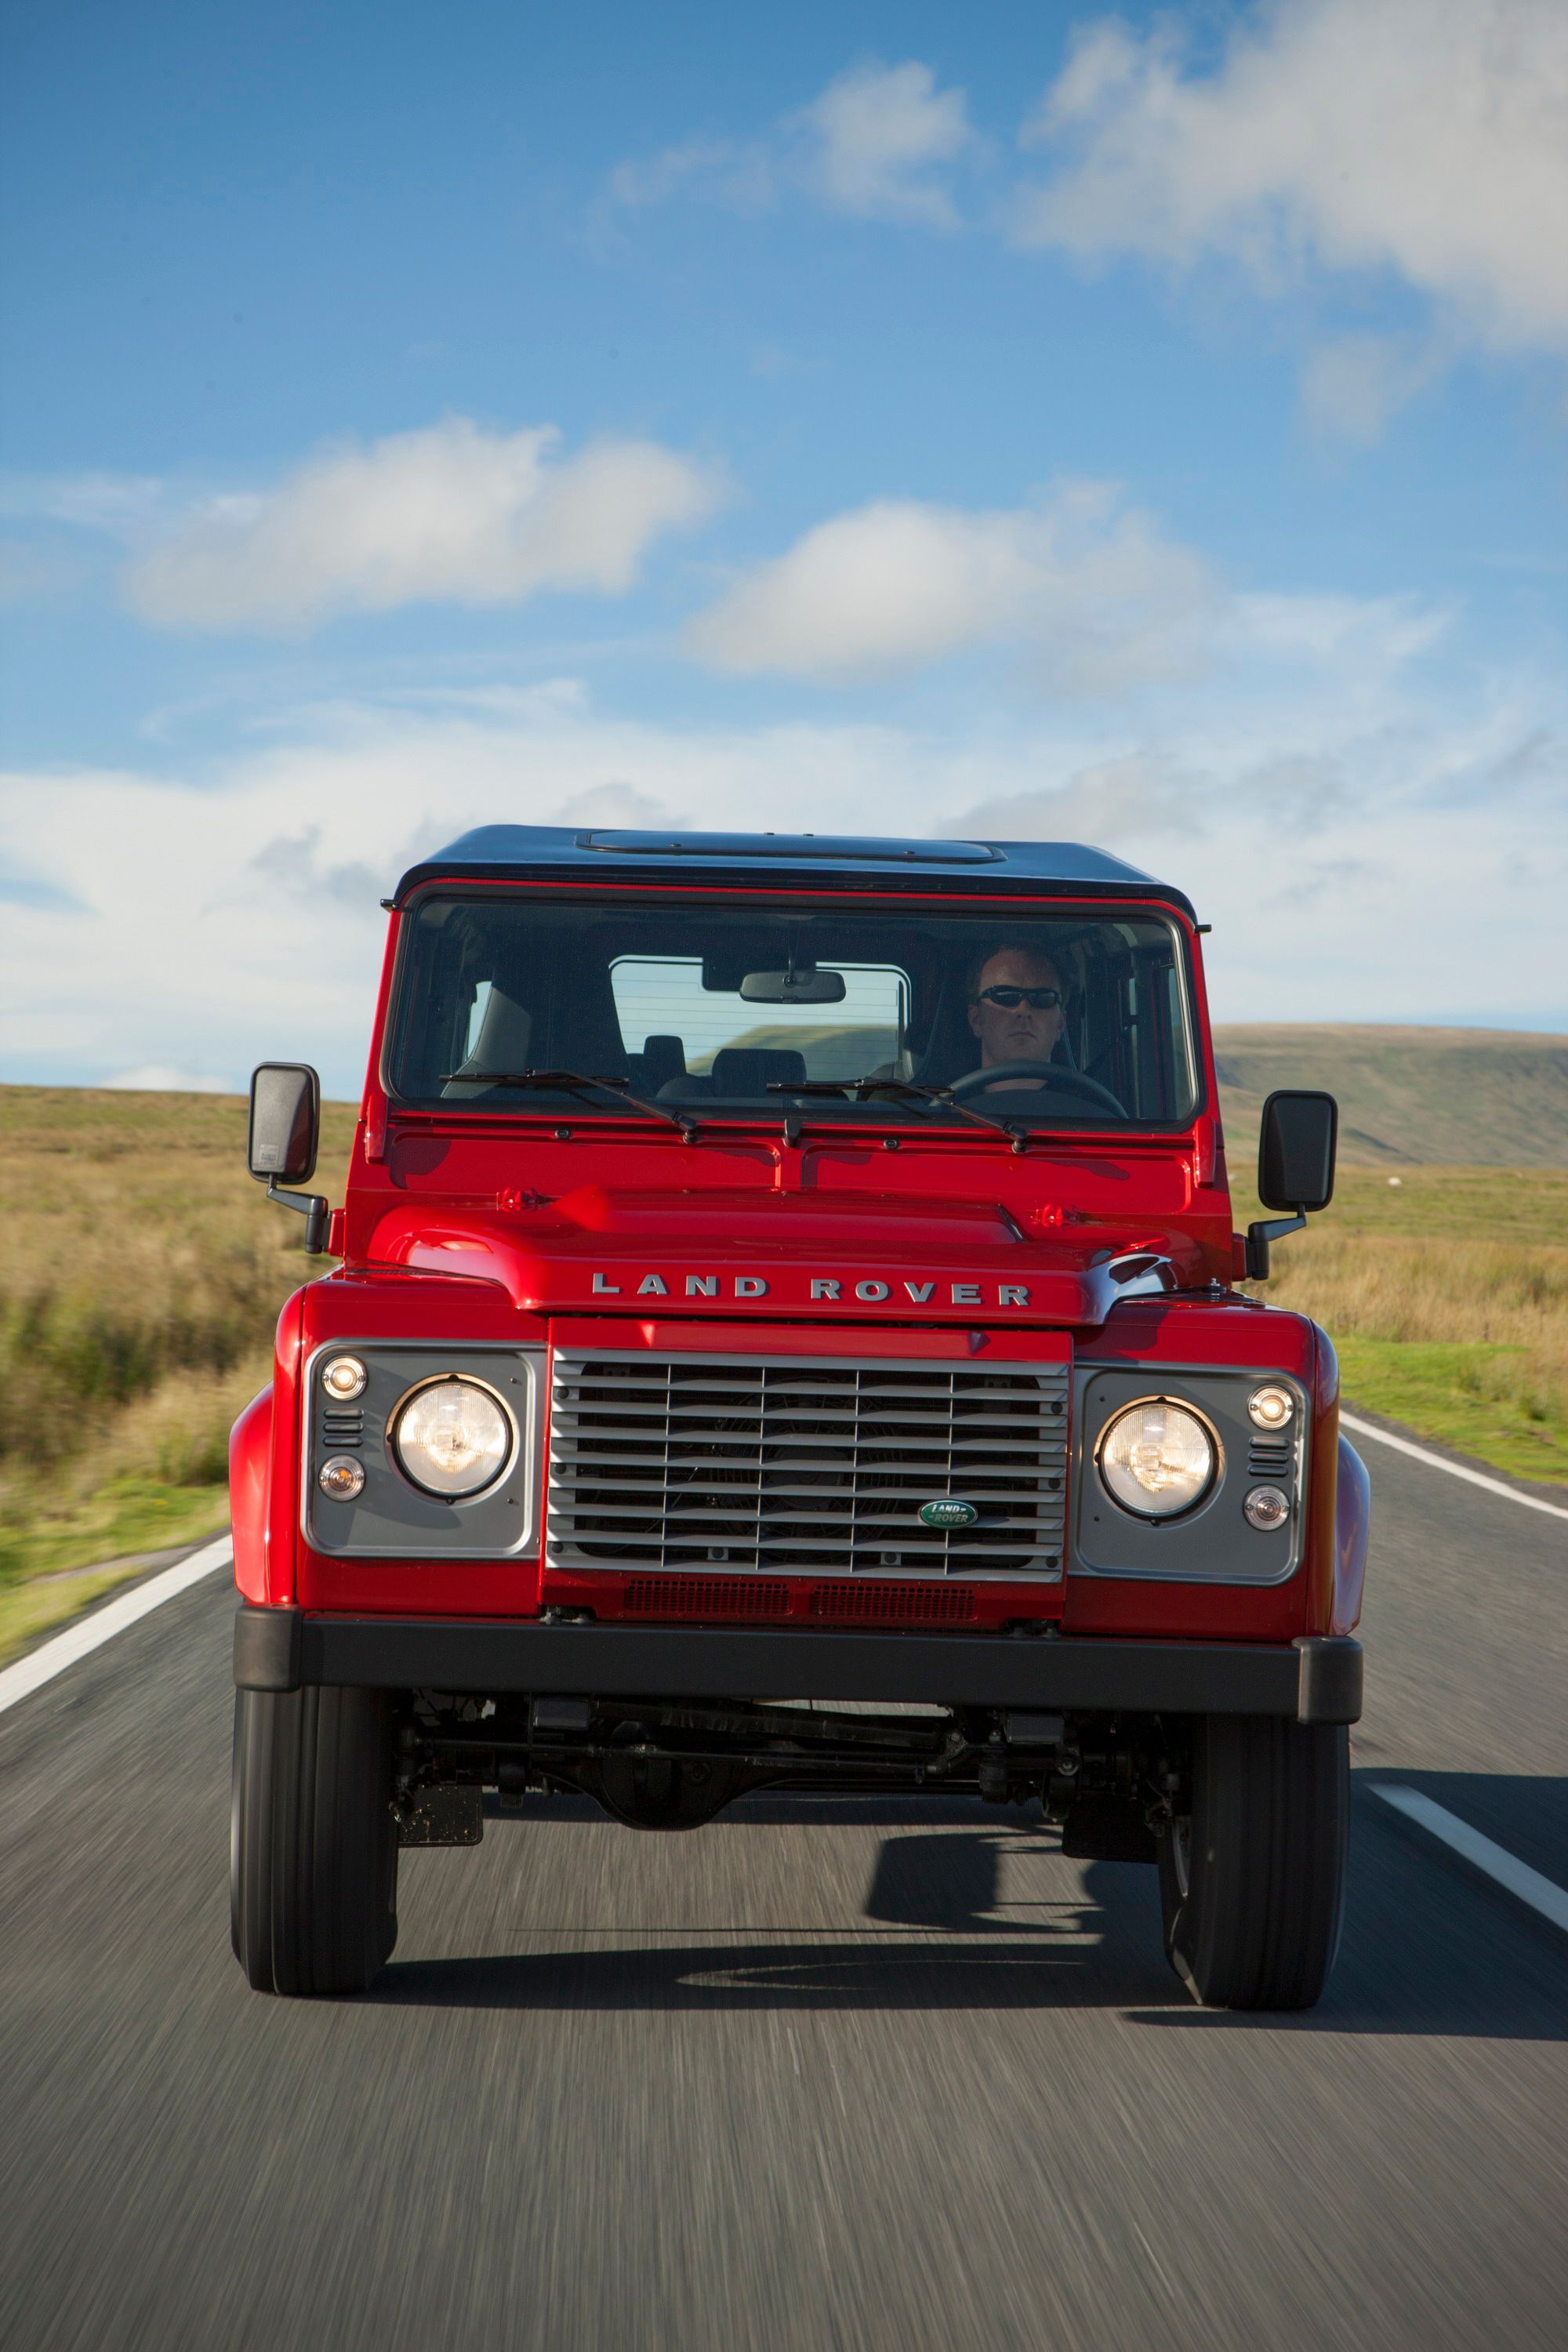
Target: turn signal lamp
column 342, row 1477
column 344, row 1378
column 1266, row 1509
column 1271, row 1407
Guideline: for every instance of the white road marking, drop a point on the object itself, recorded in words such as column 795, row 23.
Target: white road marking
column 1542, row 1895
column 52, row 1658
column 1453, row 1469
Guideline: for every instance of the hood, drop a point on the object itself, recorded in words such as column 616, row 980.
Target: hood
column 866, row 1256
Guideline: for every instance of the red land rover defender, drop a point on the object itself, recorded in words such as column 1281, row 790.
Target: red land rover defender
column 787, row 1338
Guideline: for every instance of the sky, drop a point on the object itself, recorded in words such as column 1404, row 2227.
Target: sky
column 1028, row 422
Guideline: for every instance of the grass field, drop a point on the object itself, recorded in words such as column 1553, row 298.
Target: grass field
column 1446, row 1296
column 140, row 1273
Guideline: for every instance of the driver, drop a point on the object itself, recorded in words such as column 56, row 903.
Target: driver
column 1016, row 997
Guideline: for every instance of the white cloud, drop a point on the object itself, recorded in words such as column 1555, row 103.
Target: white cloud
column 1091, row 586
column 726, row 171
column 1352, row 384
column 1425, row 137
column 879, row 142
column 450, row 512
column 1366, row 849
column 167, row 1077
column 881, row 137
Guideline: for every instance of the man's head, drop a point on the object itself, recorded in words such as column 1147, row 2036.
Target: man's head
column 1009, row 1026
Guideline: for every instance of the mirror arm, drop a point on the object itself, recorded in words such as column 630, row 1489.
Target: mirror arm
column 1259, row 1235
column 312, row 1206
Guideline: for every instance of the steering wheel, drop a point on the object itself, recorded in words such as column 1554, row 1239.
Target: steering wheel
column 1052, row 1074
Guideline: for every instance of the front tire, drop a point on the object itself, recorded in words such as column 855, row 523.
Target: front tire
column 314, row 1843
column 1252, row 1882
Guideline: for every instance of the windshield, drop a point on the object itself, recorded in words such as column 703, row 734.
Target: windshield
column 1069, row 1018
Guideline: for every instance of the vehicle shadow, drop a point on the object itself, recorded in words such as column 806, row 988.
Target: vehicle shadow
column 1429, row 1947
column 928, row 1936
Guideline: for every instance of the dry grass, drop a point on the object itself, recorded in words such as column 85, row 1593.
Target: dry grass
column 140, row 1273
column 1446, row 1295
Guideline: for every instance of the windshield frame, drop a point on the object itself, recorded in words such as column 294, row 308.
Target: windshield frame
column 871, row 1117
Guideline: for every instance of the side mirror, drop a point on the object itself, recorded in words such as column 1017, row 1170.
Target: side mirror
column 285, row 1123
column 1296, row 1151
column 285, row 1132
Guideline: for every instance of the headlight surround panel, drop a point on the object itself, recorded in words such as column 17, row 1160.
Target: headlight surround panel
column 1210, row 1542
column 393, row 1517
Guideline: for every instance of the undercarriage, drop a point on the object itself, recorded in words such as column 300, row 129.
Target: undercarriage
column 1112, row 1783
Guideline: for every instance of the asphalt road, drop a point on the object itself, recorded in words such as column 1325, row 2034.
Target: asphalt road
column 811, row 2077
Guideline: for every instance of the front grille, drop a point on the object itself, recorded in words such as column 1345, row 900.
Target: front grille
column 698, row 1462
column 888, row 1604
column 705, row 1596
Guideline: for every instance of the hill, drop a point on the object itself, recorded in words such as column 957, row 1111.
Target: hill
column 1451, row 1097
column 1481, row 1096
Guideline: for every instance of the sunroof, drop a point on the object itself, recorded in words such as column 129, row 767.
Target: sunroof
column 797, row 847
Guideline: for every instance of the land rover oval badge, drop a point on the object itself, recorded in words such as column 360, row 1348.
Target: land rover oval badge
column 948, row 1513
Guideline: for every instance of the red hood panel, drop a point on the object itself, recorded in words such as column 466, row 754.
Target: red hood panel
column 771, row 1253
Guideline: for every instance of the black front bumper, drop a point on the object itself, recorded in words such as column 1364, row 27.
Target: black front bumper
column 1310, row 1680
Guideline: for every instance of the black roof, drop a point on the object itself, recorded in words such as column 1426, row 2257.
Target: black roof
column 516, row 853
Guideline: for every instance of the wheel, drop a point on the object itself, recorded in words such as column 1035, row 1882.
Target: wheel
column 314, row 1843
column 1252, row 1881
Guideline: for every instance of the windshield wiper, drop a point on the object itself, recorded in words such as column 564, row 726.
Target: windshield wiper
column 864, row 1089
column 571, row 1082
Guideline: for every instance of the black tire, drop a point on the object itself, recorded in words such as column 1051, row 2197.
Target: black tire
column 314, row 1843
column 1252, row 1884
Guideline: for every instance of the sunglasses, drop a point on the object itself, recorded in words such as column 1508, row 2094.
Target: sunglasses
column 1038, row 1000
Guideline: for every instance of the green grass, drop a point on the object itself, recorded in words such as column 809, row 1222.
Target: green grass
column 1476, row 1398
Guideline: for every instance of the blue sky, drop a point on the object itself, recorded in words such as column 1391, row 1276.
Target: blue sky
column 1148, row 428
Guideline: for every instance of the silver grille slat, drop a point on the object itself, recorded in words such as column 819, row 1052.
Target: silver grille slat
column 685, row 1462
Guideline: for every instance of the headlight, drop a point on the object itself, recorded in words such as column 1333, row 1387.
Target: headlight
column 1157, row 1458
column 453, row 1437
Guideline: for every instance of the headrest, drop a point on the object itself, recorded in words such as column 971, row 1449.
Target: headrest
column 663, row 1059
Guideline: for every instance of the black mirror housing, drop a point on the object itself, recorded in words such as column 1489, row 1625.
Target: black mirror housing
column 285, row 1123
column 1296, row 1149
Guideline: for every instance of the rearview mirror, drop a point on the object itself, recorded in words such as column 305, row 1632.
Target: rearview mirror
column 802, row 984
column 1296, row 1149
column 285, row 1123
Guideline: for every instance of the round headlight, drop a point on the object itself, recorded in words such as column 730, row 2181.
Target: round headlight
column 344, row 1378
column 1157, row 1458
column 1270, row 1408
column 453, row 1437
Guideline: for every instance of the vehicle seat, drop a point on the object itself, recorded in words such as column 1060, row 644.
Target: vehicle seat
column 662, row 1059
column 505, row 1038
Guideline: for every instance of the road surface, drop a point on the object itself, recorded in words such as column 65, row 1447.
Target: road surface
column 813, row 2077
